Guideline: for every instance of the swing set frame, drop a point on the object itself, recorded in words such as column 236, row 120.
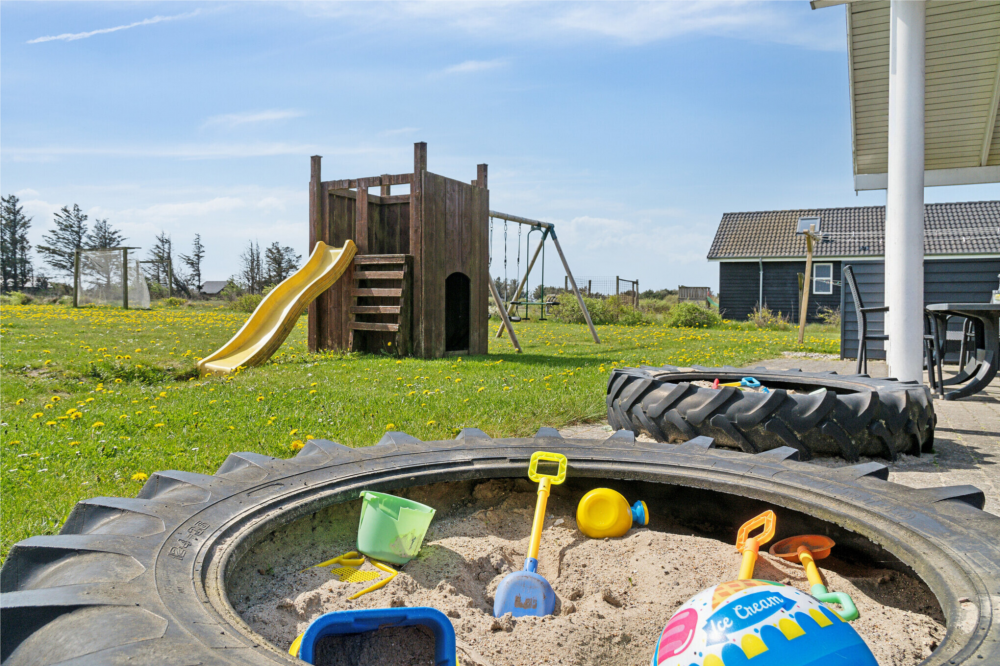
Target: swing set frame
column 548, row 231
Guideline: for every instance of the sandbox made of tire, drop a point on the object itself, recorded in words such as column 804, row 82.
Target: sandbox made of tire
column 614, row 596
column 148, row 580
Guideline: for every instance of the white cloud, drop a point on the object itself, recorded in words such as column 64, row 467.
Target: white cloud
column 27, row 192
column 470, row 66
column 182, row 151
column 252, row 117
column 632, row 23
column 173, row 211
column 73, row 36
column 271, row 203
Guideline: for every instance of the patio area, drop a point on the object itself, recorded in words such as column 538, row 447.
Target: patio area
column 966, row 441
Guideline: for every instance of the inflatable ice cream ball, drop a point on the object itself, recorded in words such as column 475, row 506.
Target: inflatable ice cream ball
column 758, row 623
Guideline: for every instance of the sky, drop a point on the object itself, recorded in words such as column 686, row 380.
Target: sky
column 631, row 126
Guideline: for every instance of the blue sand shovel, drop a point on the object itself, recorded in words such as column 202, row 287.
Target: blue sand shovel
column 527, row 592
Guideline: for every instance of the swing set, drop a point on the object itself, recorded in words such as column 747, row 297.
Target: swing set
column 507, row 304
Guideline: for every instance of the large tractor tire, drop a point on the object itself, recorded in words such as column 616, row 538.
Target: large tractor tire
column 144, row 581
column 816, row 413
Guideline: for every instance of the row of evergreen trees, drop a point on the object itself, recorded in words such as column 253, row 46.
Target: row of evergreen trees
column 71, row 231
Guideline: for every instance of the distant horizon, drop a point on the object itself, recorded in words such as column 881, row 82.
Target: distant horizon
column 633, row 127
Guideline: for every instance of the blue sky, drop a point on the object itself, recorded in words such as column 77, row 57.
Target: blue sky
column 633, row 127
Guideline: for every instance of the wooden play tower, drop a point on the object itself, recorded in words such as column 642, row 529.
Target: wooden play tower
column 419, row 284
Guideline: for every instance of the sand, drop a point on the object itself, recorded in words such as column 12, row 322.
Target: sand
column 614, row 595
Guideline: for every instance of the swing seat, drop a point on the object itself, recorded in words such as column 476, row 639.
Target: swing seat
column 514, row 317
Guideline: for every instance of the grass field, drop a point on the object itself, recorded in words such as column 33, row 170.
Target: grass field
column 93, row 400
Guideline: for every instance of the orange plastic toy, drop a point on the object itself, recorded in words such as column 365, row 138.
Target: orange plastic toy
column 807, row 549
column 749, row 545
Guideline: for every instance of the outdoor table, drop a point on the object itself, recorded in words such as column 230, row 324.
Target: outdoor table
column 983, row 367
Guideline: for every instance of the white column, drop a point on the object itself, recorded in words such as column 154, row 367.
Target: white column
column 904, row 210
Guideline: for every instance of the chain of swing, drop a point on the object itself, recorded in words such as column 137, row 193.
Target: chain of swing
column 509, row 289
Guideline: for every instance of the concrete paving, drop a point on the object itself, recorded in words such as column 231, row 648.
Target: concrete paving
column 966, row 442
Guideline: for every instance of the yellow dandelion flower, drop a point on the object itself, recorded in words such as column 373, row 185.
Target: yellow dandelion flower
column 97, row 424
column 293, row 431
column 14, row 442
column 50, row 423
column 311, row 392
column 74, row 443
column 296, row 445
column 139, row 476
column 390, row 426
column 37, row 415
column 47, row 406
column 20, row 401
column 430, row 423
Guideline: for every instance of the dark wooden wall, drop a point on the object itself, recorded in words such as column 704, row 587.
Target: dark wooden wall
column 739, row 285
column 945, row 280
column 455, row 228
column 442, row 223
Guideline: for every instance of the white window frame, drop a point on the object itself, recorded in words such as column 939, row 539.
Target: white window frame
column 827, row 282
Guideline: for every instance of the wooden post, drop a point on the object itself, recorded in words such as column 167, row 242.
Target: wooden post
column 590, row 287
column 314, row 316
column 125, row 278
column 637, row 294
column 386, row 187
column 170, row 277
column 579, row 298
column 481, row 176
column 503, row 316
column 804, row 305
column 517, row 292
column 361, row 218
column 617, row 280
column 76, row 278
column 416, row 245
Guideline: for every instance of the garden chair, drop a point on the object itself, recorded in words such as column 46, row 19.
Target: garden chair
column 864, row 337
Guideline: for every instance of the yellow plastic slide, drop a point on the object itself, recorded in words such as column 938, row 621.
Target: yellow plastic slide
column 276, row 315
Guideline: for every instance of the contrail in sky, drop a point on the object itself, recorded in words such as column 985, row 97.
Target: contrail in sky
column 73, row 36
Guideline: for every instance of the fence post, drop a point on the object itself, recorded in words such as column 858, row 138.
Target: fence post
column 125, row 278
column 637, row 294
column 76, row 278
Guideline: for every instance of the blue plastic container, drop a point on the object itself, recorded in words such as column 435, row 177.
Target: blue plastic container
column 340, row 623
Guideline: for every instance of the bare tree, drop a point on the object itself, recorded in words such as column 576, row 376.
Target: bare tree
column 251, row 274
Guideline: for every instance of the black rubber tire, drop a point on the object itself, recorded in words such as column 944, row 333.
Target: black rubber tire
column 847, row 416
column 143, row 580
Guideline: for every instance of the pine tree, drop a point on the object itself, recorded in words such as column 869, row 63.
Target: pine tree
column 63, row 241
column 15, row 257
column 193, row 261
column 159, row 260
column 103, row 236
column 279, row 263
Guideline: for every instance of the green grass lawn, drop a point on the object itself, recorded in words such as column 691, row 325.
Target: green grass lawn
column 95, row 399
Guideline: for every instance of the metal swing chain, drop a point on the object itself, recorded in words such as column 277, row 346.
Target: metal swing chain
column 506, row 291
column 489, row 263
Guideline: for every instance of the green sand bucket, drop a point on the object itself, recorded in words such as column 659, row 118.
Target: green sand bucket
column 392, row 528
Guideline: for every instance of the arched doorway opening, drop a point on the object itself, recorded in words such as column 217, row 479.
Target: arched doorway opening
column 457, row 294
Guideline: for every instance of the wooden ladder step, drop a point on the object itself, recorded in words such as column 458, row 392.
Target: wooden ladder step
column 375, row 309
column 380, row 259
column 378, row 275
column 389, row 293
column 373, row 326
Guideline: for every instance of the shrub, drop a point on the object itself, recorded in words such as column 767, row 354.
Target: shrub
column 692, row 315
column 174, row 302
column 767, row 319
column 231, row 291
column 16, row 298
column 829, row 316
column 246, row 302
column 602, row 311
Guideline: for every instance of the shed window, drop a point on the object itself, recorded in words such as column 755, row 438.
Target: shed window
column 822, row 278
